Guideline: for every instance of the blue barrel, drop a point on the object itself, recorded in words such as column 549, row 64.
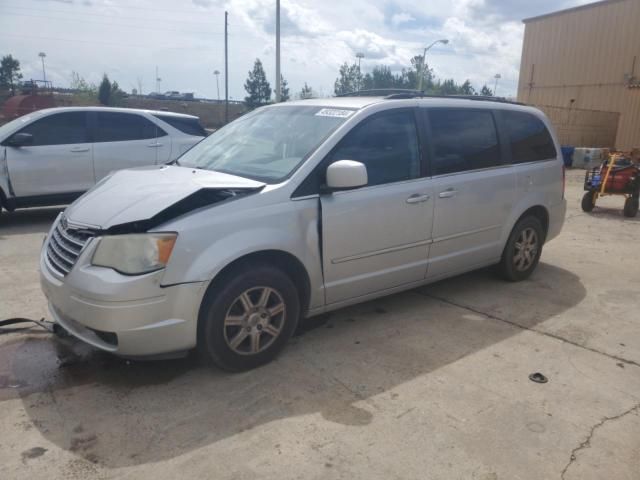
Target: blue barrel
column 567, row 155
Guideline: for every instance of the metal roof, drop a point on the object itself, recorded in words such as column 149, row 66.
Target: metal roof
column 570, row 10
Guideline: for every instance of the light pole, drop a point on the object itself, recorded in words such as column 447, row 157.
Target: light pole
column 278, row 76
column 359, row 56
column 497, row 76
column 443, row 41
column 217, row 74
column 44, row 74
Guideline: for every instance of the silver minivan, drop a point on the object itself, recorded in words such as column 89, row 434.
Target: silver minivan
column 297, row 209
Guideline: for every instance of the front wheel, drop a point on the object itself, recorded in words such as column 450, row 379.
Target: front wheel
column 522, row 252
column 631, row 205
column 588, row 201
column 247, row 319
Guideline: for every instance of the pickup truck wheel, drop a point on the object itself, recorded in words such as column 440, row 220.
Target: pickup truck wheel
column 247, row 318
column 522, row 252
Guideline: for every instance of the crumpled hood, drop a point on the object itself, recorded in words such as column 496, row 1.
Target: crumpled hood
column 141, row 193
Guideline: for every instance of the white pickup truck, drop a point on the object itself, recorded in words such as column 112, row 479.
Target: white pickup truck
column 52, row 156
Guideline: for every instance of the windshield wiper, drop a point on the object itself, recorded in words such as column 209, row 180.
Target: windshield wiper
column 173, row 162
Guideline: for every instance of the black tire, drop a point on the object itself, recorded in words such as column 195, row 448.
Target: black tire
column 222, row 301
column 512, row 267
column 588, row 201
column 631, row 205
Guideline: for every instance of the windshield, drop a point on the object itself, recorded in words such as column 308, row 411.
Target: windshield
column 268, row 144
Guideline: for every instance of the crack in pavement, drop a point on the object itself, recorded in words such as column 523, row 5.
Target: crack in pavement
column 587, row 442
column 534, row 330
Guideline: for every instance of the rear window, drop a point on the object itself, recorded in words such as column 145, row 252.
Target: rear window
column 189, row 126
column 529, row 138
column 463, row 140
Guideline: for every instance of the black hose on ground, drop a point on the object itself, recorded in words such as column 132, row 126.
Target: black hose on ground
column 48, row 327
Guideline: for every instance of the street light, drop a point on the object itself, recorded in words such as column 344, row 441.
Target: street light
column 497, row 76
column 359, row 56
column 443, row 41
column 217, row 74
column 44, row 74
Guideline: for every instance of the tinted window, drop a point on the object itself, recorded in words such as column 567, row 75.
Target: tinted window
column 530, row 140
column 120, row 127
column 387, row 144
column 463, row 140
column 59, row 129
column 190, row 126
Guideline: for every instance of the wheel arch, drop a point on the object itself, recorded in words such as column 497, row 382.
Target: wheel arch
column 280, row 259
column 538, row 211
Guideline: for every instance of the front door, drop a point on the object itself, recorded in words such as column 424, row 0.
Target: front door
column 58, row 162
column 377, row 237
column 127, row 140
column 473, row 190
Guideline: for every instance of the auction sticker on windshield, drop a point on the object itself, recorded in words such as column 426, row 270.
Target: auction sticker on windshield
column 334, row 112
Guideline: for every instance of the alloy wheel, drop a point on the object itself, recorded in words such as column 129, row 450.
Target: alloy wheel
column 254, row 320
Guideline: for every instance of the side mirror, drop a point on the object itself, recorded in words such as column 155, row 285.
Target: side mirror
column 20, row 140
column 345, row 174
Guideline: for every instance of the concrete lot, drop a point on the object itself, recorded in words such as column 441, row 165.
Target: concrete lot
column 428, row 384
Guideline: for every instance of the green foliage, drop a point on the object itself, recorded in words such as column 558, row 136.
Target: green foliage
column 349, row 79
column 109, row 93
column 382, row 76
column 9, row 72
column 257, row 87
column 285, row 94
column 306, row 92
column 84, row 92
column 486, row 91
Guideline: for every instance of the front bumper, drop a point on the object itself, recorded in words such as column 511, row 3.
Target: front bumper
column 125, row 315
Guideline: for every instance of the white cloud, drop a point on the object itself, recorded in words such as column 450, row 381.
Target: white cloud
column 127, row 39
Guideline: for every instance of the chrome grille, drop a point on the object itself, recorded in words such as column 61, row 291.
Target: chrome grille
column 64, row 246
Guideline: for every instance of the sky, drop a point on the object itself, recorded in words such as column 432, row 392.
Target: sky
column 184, row 39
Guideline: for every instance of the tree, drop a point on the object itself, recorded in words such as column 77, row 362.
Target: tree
column 306, row 92
column 420, row 69
column 284, row 90
column 467, row 89
column 349, row 79
column 84, row 91
column 486, row 91
column 9, row 73
column 109, row 93
column 257, row 87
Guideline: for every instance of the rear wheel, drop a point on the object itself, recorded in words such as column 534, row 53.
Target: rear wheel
column 522, row 252
column 631, row 205
column 588, row 201
column 247, row 319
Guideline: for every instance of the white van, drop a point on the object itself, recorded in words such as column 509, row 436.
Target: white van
column 52, row 156
column 297, row 209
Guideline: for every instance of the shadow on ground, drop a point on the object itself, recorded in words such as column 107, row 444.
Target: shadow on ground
column 118, row 413
column 30, row 220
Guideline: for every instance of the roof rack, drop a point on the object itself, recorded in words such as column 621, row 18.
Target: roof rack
column 399, row 94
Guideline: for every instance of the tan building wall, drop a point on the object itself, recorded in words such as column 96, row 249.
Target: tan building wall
column 579, row 127
column 587, row 58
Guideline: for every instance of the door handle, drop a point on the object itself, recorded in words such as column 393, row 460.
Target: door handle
column 154, row 145
column 80, row 149
column 448, row 193
column 418, row 198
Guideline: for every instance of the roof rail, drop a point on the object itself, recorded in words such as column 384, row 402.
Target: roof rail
column 400, row 93
column 381, row 92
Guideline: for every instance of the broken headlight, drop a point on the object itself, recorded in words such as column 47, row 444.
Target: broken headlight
column 135, row 254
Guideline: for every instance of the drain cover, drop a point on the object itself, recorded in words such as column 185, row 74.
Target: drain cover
column 538, row 378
